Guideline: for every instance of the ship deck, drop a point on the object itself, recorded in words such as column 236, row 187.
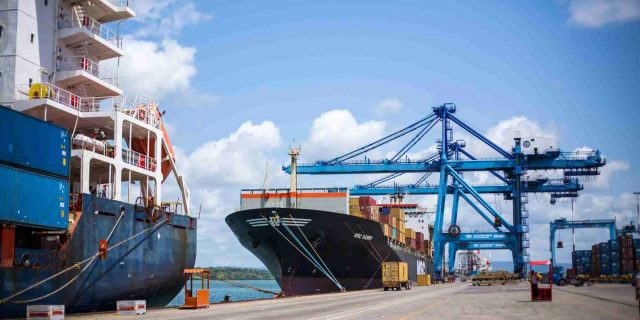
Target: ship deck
column 447, row 301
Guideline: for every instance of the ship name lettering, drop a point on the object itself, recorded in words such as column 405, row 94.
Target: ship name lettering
column 362, row 236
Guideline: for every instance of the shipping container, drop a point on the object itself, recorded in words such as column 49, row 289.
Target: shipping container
column 410, row 233
column 394, row 233
column 367, row 201
column 424, row 280
column 386, row 219
column 394, row 275
column 397, row 213
column 30, row 198
column 33, row 144
column 385, row 210
column 386, row 230
column 595, row 260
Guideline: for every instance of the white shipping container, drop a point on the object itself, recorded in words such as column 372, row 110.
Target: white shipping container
column 41, row 312
column 131, row 307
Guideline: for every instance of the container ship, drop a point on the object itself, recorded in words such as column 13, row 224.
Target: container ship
column 320, row 240
column 82, row 218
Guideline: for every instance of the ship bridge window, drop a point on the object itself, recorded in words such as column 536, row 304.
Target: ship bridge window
column 33, row 36
column 1, row 27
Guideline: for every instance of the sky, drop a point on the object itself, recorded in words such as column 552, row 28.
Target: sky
column 241, row 81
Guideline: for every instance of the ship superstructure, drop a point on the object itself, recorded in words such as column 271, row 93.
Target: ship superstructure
column 117, row 154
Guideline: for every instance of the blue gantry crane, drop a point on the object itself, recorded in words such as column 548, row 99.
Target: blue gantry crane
column 451, row 161
column 563, row 223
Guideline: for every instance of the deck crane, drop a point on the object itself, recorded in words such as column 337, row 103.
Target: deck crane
column 563, row 223
column 451, row 161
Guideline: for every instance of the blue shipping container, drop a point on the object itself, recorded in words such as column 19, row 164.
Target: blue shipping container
column 30, row 198
column 33, row 144
column 614, row 269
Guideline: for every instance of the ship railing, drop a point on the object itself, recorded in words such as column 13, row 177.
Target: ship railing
column 81, row 63
column 48, row 91
column 143, row 108
column 80, row 20
column 139, row 160
column 83, row 142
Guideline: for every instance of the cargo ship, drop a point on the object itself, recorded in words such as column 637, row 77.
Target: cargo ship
column 319, row 240
column 83, row 222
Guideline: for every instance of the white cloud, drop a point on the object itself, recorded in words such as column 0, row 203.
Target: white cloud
column 388, row 106
column 150, row 9
column 160, row 23
column 597, row 13
column 337, row 131
column 238, row 159
column 155, row 69
column 215, row 172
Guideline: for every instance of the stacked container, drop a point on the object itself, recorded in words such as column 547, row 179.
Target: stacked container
column 605, row 268
column 34, row 171
column 581, row 261
column 420, row 241
column 595, row 260
column 626, row 252
column 354, row 207
column 636, row 257
column 614, row 258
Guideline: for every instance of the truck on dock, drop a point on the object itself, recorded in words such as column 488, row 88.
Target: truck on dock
column 395, row 275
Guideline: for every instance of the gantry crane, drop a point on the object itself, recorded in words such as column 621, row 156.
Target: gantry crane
column 451, row 161
column 563, row 223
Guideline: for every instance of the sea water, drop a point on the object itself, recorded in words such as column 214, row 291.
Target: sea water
column 221, row 289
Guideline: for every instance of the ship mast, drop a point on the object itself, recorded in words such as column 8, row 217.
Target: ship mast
column 294, row 152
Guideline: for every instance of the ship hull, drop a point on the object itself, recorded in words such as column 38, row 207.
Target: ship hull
column 352, row 248
column 147, row 267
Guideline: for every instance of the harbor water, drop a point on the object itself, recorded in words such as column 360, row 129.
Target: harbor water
column 220, row 289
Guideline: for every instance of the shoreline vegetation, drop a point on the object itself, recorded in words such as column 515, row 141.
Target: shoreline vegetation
column 238, row 273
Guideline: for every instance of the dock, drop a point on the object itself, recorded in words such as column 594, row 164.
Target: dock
column 446, row 301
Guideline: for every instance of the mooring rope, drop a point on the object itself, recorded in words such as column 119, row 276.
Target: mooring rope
column 242, row 285
column 295, row 247
column 74, row 266
column 312, row 247
column 371, row 244
column 362, row 243
column 325, row 271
